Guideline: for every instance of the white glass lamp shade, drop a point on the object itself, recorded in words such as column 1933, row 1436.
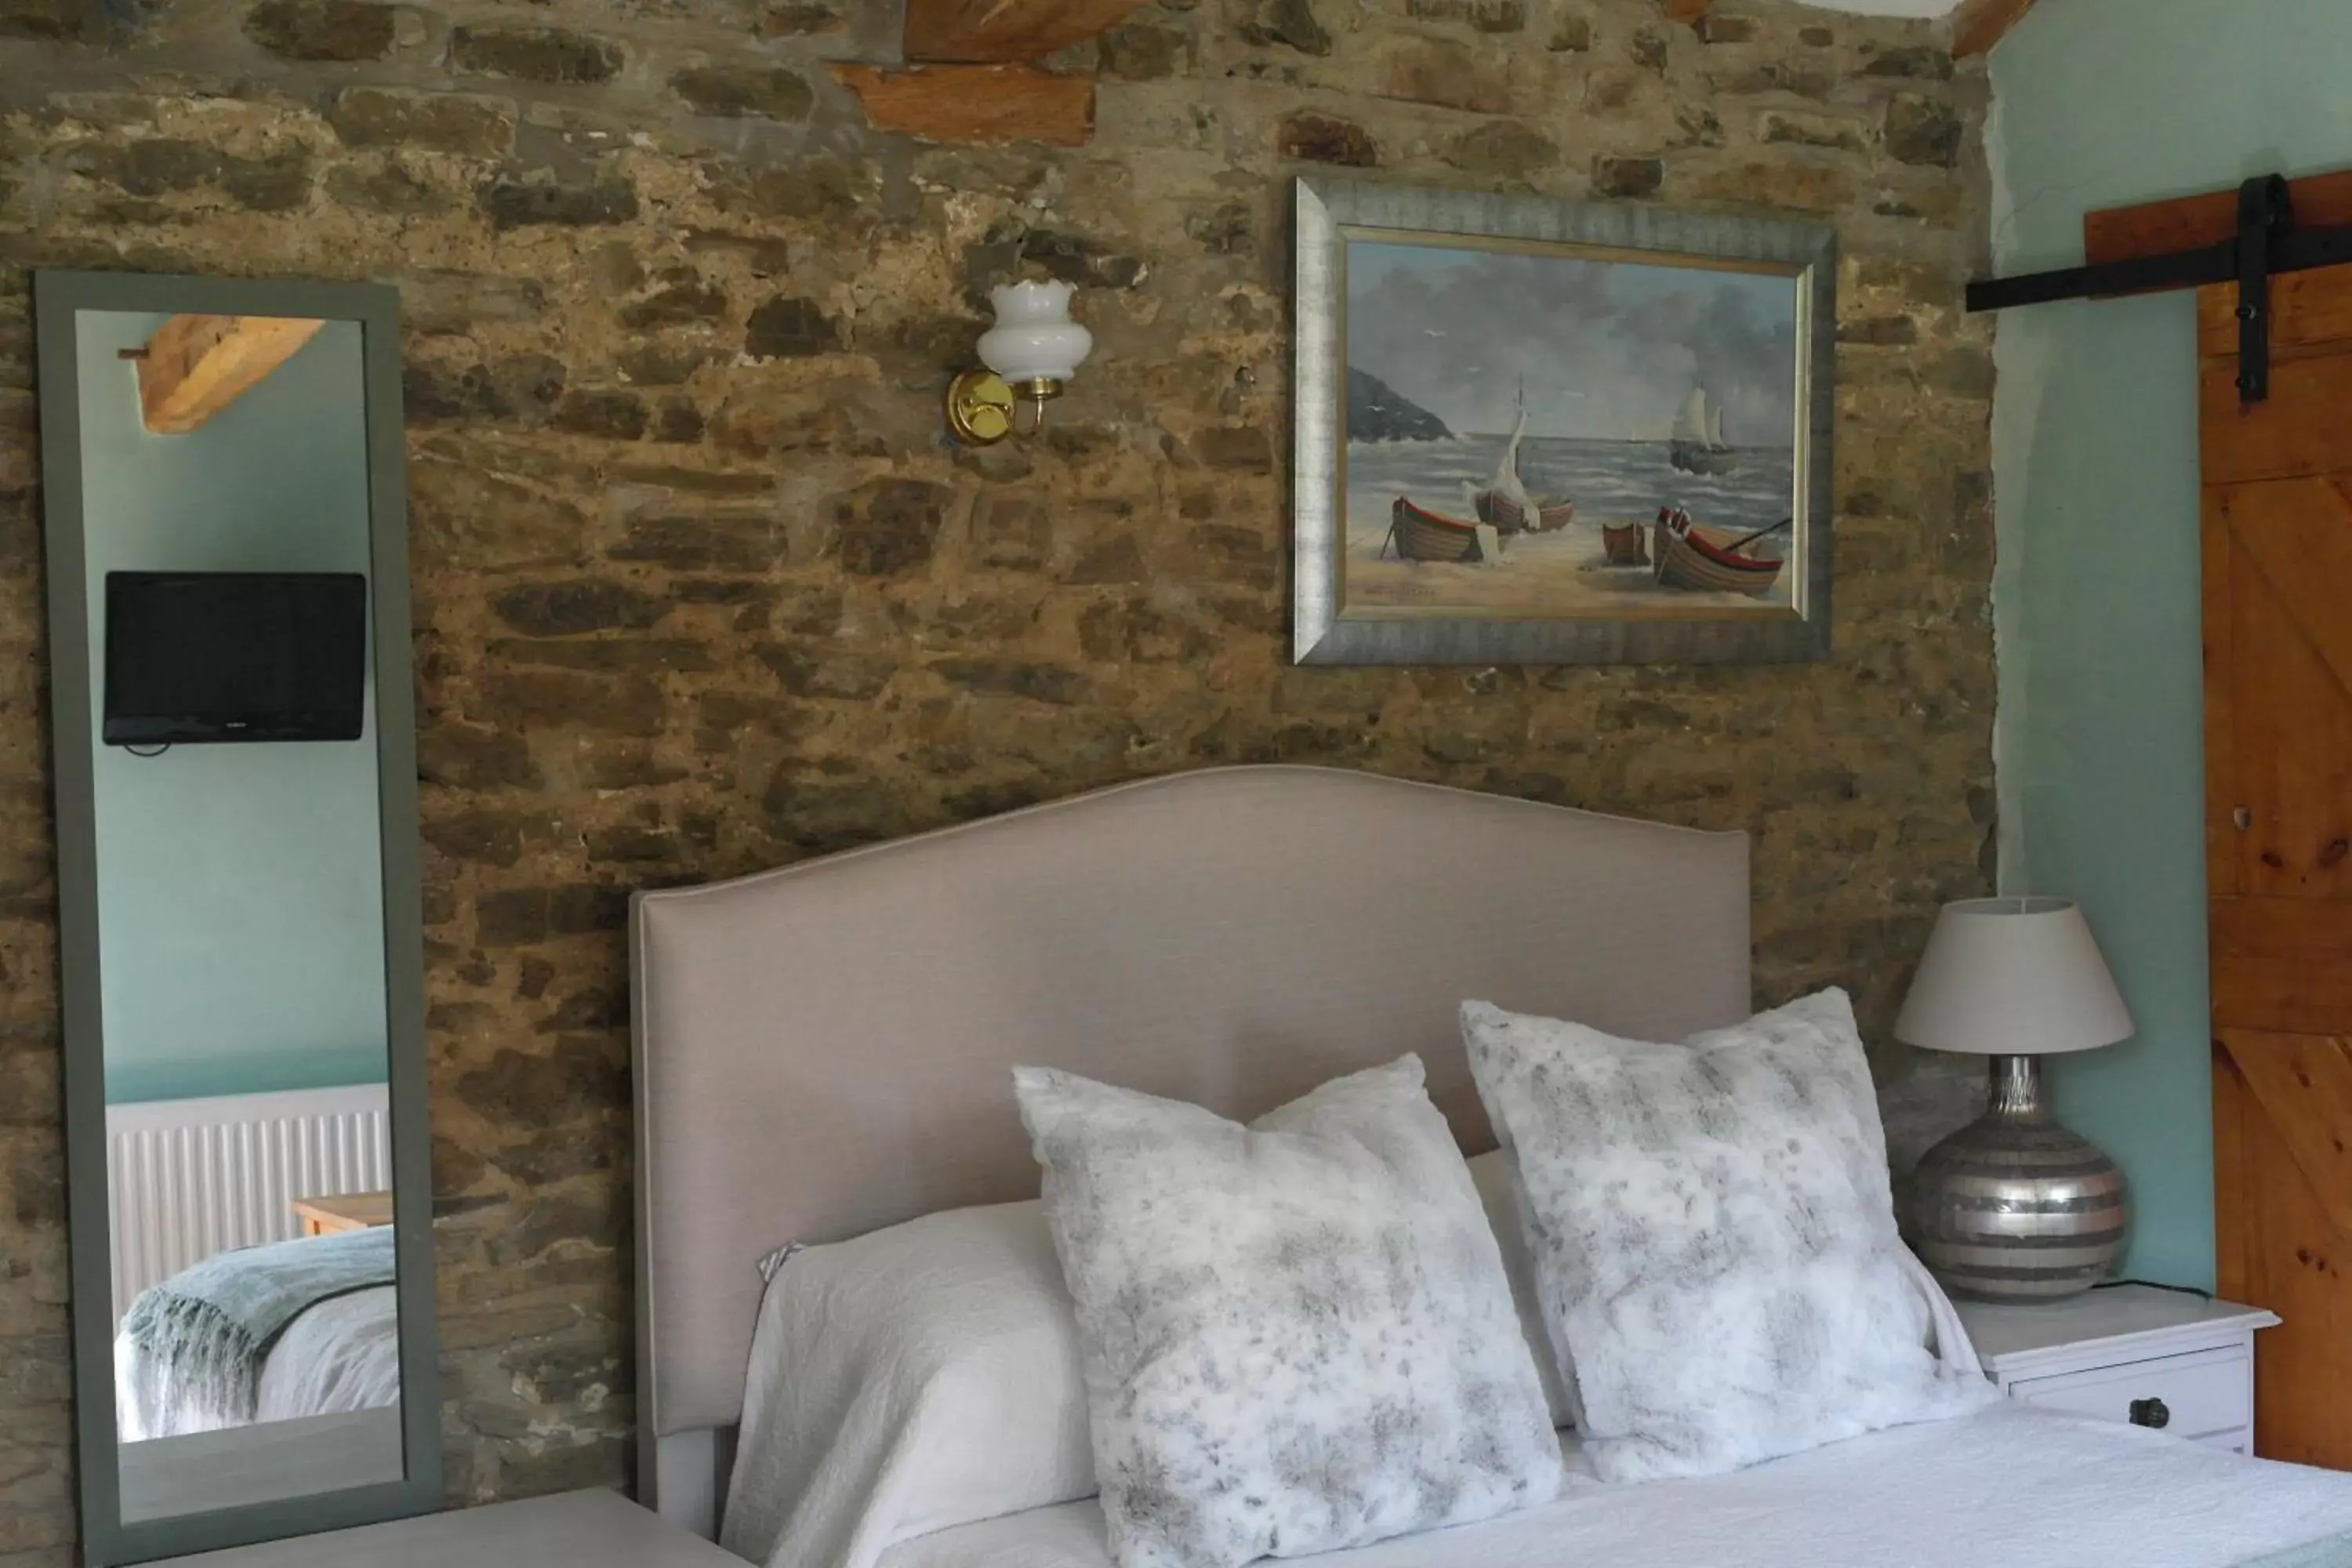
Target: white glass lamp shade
column 1034, row 339
column 2013, row 977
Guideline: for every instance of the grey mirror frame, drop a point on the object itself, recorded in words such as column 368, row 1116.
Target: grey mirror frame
column 58, row 299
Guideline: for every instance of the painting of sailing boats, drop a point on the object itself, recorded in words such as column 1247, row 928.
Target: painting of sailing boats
column 1537, row 431
column 1540, row 431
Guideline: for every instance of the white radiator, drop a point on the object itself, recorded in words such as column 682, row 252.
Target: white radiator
column 187, row 1178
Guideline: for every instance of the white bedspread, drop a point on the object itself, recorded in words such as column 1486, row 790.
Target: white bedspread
column 342, row 1354
column 2011, row 1488
column 847, row 1450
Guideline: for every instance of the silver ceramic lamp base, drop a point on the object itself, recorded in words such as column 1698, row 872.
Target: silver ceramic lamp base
column 2015, row 1207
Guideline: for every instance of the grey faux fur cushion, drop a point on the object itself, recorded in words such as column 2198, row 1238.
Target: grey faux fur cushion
column 1713, row 1235
column 1297, row 1334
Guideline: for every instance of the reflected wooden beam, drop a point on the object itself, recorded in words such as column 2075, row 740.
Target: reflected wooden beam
column 992, row 31
column 1979, row 25
column 195, row 366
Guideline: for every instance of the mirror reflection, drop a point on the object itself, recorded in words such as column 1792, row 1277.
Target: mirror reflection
column 241, row 910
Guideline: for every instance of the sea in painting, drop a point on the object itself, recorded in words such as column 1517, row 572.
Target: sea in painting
column 1517, row 421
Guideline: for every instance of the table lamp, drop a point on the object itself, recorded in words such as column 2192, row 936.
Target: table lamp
column 2015, row 1207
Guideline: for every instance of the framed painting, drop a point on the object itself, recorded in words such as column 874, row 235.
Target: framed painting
column 1541, row 432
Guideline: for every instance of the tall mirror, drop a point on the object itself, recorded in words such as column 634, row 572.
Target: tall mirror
column 235, row 754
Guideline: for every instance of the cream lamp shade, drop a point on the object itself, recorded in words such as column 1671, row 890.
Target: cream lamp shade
column 2013, row 977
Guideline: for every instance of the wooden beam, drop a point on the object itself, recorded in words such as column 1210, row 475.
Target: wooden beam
column 1692, row 12
column 993, row 32
column 195, row 366
column 976, row 104
column 2191, row 223
column 1979, row 25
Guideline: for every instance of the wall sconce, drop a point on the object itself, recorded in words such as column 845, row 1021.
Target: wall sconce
column 1033, row 349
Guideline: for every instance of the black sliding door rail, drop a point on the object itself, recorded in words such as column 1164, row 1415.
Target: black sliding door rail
column 2267, row 245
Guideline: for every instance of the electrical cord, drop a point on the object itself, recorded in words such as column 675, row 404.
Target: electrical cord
column 2157, row 1285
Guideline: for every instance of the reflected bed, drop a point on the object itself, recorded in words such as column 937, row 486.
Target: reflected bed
column 267, row 1333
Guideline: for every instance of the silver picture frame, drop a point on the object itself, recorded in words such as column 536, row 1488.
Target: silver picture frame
column 1333, row 212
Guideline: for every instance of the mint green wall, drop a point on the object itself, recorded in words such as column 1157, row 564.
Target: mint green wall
column 2102, row 103
column 240, row 886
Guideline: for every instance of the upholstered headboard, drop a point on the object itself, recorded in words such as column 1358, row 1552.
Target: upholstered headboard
column 823, row 1049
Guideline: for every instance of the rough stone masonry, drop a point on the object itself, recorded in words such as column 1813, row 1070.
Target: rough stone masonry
column 700, row 589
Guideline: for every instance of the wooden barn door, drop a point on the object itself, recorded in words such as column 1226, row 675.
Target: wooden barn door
column 2278, row 837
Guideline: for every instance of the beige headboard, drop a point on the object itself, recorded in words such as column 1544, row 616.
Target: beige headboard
column 823, row 1049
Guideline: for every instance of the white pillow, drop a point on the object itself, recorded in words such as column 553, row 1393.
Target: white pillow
column 1297, row 1334
column 919, row 1377
column 929, row 1375
column 1713, row 1236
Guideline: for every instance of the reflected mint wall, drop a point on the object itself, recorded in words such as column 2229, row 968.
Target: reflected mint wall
column 240, row 886
column 2102, row 103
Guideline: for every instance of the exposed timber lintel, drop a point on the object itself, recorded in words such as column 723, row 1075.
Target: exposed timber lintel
column 1979, row 25
column 984, row 104
column 999, row 32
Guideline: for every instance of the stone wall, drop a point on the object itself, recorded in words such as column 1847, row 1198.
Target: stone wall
column 700, row 589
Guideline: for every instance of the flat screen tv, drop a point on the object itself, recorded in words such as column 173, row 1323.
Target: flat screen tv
column 194, row 658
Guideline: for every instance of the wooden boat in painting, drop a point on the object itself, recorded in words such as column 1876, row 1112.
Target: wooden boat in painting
column 1508, row 518
column 1709, row 561
column 1625, row 544
column 1505, row 503
column 1417, row 533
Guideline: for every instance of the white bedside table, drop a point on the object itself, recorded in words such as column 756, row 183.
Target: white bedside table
column 576, row 1529
column 2154, row 1358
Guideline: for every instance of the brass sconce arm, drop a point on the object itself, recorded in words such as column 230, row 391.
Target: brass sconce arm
column 983, row 408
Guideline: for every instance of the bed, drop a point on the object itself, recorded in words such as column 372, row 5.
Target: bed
column 319, row 1340
column 824, row 1050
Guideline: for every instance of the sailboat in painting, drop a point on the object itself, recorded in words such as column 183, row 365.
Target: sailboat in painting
column 1505, row 502
column 1699, row 446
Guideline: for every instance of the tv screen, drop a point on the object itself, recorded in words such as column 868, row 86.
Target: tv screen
column 201, row 657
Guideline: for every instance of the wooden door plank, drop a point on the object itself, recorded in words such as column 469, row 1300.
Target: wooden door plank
column 2303, row 1086
column 2298, row 534
column 976, row 104
column 2232, row 1261
column 990, row 32
column 2260, row 717
column 195, row 366
column 2224, row 840
column 2279, row 965
column 2301, row 430
column 2301, row 1389
column 1979, row 25
column 2289, row 698
column 2291, row 1258
column 2310, row 311
column 2191, row 223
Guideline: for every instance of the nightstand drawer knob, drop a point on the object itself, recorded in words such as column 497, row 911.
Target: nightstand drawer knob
column 2150, row 1413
